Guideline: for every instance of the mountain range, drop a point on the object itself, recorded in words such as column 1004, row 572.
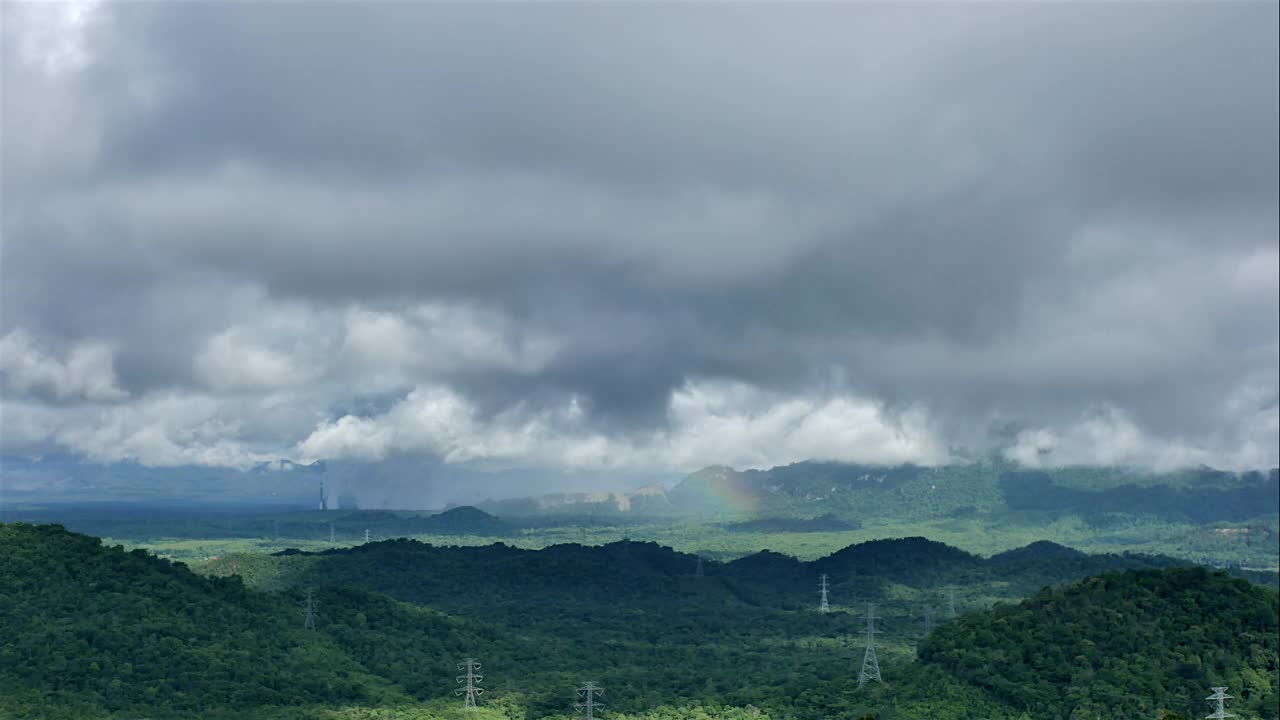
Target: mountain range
column 844, row 492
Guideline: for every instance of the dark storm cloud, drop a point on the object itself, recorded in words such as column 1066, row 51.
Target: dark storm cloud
column 994, row 212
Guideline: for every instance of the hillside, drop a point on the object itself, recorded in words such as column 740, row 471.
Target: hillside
column 89, row 628
column 1122, row 645
column 93, row 631
column 898, row 573
column 464, row 520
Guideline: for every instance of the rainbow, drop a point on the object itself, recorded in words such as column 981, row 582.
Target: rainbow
column 722, row 490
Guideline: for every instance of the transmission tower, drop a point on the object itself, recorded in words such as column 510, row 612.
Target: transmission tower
column 697, row 572
column 331, row 532
column 928, row 619
column 951, row 603
column 310, row 622
column 472, row 691
column 588, row 704
column 870, row 665
column 822, row 595
column 1219, row 698
column 366, row 536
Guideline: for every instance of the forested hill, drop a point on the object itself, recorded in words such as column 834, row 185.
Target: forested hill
column 89, row 630
column 1122, row 645
column 900, row 574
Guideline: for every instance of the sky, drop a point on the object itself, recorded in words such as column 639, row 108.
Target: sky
column 629, row 239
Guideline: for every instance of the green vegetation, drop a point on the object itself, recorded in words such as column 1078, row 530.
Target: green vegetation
column 89, row 630
column 1122, row 645
column 96, row 631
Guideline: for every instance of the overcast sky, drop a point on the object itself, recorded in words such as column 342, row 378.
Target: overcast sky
column 633, row 238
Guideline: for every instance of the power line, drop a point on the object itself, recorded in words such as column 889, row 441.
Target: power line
column 822, row 594
column 870, row 665
column 1219, row 698
column 472, row 691
column 588, row 704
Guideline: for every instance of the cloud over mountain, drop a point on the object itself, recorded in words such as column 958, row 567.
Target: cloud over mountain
column 640, row 237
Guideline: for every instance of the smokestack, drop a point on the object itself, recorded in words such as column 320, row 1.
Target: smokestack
column 324, row 505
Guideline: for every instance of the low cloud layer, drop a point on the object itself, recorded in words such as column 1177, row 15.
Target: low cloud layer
column 640, row 239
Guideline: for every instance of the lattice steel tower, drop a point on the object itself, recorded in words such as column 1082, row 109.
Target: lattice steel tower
column 870, row 665
column 310, row 622
column 588, row 704
column 1219, row 698
column 951, row 603
column 472, row 691
column 697, row 571
column 822, row 595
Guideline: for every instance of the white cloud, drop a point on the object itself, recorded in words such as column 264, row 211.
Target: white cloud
column 164, row 429
column 231, row 360
column 440, row 337
column 710, row 423
column 1108, row 436
column 51, row 35
column 736, row 424
column 348, row 437
column 87, row 373
column 435, row 419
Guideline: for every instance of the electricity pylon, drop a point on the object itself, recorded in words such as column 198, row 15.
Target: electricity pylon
column 822, row 595
column 588, row 705
column 951, row 603
column 1219, row 698
column 928, row 619
column 472, row 691
column 366, row 536
column 310, row 622
column 697, row 572
column 331, row 532
column 870, row 665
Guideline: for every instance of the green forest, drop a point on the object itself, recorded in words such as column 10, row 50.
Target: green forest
column 92, row 630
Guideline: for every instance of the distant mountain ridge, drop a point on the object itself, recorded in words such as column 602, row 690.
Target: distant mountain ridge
column 848, row 492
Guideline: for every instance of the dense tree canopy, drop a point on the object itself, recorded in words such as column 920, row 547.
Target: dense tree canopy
column 91, row 631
